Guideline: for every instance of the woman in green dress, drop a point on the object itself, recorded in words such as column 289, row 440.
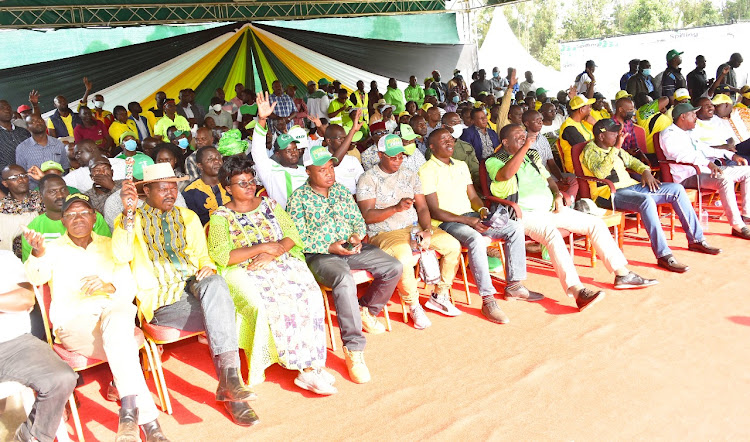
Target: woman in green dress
column 280, row 314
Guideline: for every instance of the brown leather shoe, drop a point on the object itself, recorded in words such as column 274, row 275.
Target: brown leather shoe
column 491, row 311
column 153, row 432
column 703, row 247
column 670, row 263
column 522, row 294
column 744, row 233
column 585, row 298
column 242, row 414
column 127, row 427
column 231, row 387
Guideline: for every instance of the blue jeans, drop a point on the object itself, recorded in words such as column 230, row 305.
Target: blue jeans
column 638, row 198
column 514, row 246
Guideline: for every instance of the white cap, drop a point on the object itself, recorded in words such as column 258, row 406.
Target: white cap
column 300, row 136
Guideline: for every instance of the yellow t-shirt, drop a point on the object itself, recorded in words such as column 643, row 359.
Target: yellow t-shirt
column 343, row 117
column 600, row 115
column 116, row 129
column 68, row 124
column 449, row 182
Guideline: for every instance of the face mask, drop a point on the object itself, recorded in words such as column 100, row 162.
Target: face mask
column 183, row 143
column 130, row 145
column 216, row 108
column 496, row 74
column 330, row 95
column 457, row 131
column 410, row 148
column 98, row 104
column 647, row 72
column 629, row 115
column 455, row 98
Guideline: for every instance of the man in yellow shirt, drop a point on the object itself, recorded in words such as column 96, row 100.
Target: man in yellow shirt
column 121, row 125
column 170, row 119
column 63, row 121
column 177, row 284
column 92, row 311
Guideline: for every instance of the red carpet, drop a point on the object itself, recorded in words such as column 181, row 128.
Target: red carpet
column 668, row 362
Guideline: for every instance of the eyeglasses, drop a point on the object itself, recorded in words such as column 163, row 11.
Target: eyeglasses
column 74, row 215
column 380, row 132
column 17, row 176
column 245, row 184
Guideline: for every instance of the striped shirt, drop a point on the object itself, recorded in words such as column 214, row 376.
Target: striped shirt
column 30, row 153
column 9, row 140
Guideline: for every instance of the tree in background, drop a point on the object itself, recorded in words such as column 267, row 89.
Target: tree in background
column 535, row 25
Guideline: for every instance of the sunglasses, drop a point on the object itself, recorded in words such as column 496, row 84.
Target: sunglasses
column 17, row 176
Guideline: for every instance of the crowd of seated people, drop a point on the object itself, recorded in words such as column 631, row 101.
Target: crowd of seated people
column 228, row 217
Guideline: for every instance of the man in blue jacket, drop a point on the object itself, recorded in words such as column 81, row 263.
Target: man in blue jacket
column 480, row 136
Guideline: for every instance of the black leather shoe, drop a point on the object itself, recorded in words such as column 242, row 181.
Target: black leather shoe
column 153, row 432
column 670, row 263
column 242, row 414
column 744, row 233
column 586, row 298
column 703, row 247
column 231, row 387
column 127, row 427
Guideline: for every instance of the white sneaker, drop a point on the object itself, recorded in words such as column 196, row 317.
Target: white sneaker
column 442, row 304
column 417, row 314
column 327, row 376
column 313, row 381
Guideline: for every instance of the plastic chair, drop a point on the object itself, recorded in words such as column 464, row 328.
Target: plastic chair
column 79, row 362
column 360, row 277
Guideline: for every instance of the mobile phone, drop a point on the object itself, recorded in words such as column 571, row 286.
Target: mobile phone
column 348, row 246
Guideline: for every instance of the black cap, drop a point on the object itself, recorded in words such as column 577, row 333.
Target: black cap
column 74, row 198
column 598, row 96
column 590, row 64
column 606, row 125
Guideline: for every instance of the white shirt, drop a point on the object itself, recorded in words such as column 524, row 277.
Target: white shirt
column 714, row 132
column 81, row 177
column 682, row 146
column 582, row 85
column 348, row 172
column 554, row 127
column 12, row 324
column 278, row 180
column 525, row 87
column 318, row 107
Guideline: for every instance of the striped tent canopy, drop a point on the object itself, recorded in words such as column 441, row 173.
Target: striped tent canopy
column 252, row 54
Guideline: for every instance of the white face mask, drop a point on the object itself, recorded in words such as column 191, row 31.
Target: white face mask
column 98, row 104
column 216, row 108
column 457, row 131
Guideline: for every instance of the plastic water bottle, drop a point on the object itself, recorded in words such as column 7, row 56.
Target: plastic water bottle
column 414, row 241
column 704, row 220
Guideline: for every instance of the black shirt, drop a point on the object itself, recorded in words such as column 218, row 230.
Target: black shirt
column 9, row 140
column 697, row 83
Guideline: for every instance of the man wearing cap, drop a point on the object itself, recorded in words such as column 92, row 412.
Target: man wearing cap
column 633, row 65
column 576, row 128
column 104, row 184
column 414, row 92
column 735, row 60
column 92, row 309
column 40, row 147
column 600, row 108
column 519, row 175
column 170, row 119
column 369, row 156
column 177, row 284
column 24, row 111
column 672, row 79
column 121, row 125
column 332, row 228
column 642, row 82
column 585, row 81
column 395, row 96
column 603, row 157
column 392, row 204
column 456, row 208
column 49, row 224
column 10, row 135
column 279, row 178
column 206, row 194
column 479, row 135
column 680, row 143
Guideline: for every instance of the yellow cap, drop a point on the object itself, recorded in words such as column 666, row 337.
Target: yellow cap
column 579, row 101
column 745, row 91
column 722, row 99
column 622, row 94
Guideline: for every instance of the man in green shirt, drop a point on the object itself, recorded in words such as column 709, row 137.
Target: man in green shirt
column 170, row 119
column 49, row 224
column 395, row 96
column 414, row 92
column 519, row 175
column 331, row 226
column 338, row 110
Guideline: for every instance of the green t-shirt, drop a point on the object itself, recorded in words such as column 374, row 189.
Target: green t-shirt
column 343, row 117
column 51, row 229
column 529, row 186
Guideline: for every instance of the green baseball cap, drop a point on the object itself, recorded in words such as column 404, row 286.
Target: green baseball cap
column 391, row 145
column 284, row 140
column 317, row 156
column 407, row 133
column 324, row 82
column 51, row 165
column 541, row 90
column 127, row 133
column 672, row 54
